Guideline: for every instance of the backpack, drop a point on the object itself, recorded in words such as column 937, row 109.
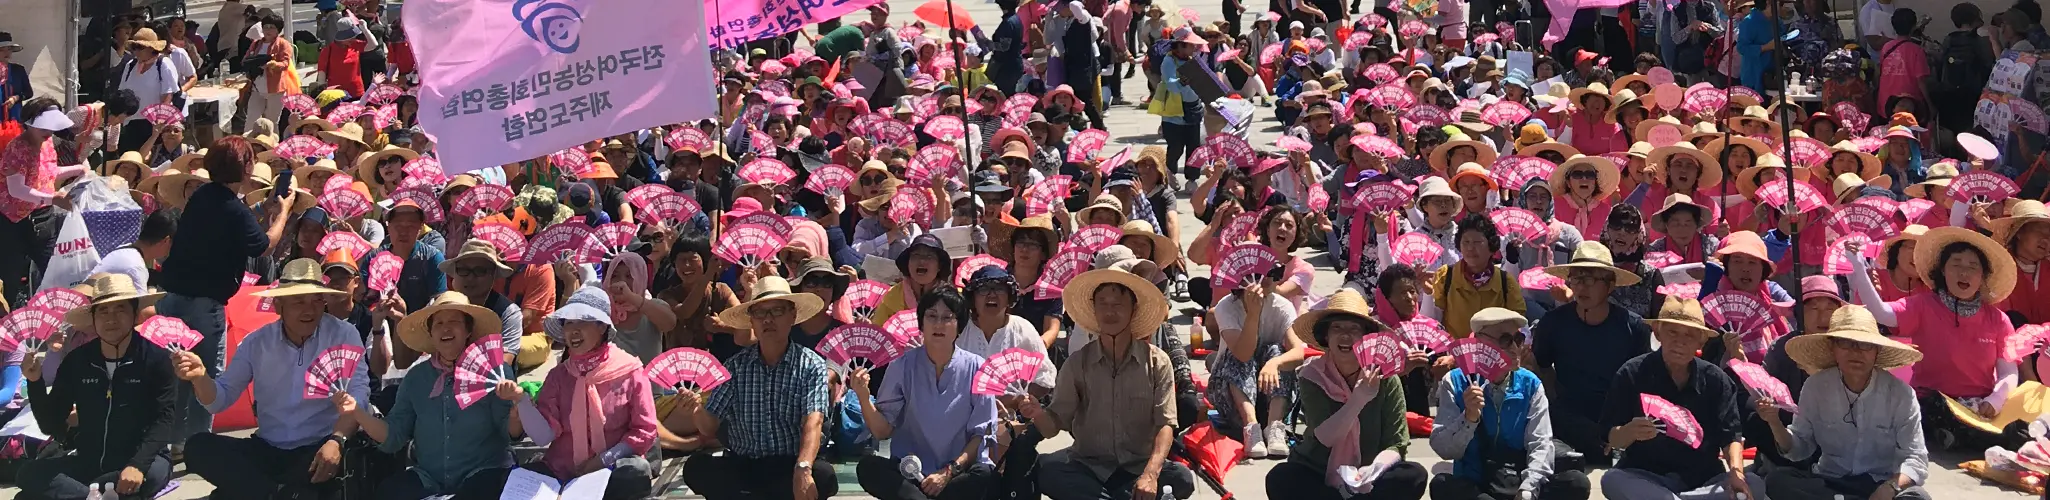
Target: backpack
column 1963, row 68
column 1156, row 52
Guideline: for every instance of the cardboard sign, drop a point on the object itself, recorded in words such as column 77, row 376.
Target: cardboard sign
column 766, row 171
column 332, row 370
column 747, row 245
column 1537, row 279
column 1478, row 357
column 1425, row 333
column 863, row 296
column 1680, row 424
column 1095, row 238
column 506, row 238
column 1382, row 353
column 573, row 243
column 345, row 203
column 688, row 368
column 384, row 271
column 1063, row 268
column 1007, row 372
column 1764, row 384
column 1417, row 249
column 974, row 263
column 1982, row 186
column 1519, row 223
column 1244, row 265
column 344, row 240
column 1085, row 145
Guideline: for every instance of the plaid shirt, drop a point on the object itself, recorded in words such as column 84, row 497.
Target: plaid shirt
column 762, row 410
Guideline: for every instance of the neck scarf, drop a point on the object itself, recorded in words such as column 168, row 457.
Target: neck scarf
column 1963, row 307
column 1478, row 277
column 587, row 414
column 1325, row 374
column 1385, row 310
column 635, row 269
column 442, row 380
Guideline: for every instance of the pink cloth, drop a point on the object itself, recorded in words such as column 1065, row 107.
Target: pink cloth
column 608, row 401
column 37, row 164
column 1902, row 65
column 1119, row 19
column 1302, row 274
column 811, row 238
column 1592, row 136
column 1958, row 353
column 635, row 268
column 1346, row 451
column 1590, row 220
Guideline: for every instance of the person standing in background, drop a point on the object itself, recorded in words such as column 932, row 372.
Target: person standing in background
column 14, row 87
column 277, row 79
column 1007, row 49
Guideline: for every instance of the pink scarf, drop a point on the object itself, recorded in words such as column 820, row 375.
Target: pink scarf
column 587, row 411
column 1325, row 374
column 635, row 268
column 1385, row 310
column 441, row 380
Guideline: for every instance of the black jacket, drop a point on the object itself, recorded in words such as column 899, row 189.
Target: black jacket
column 123, row 422
column 215, row 240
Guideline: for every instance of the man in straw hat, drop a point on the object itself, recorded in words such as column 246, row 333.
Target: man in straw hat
column 1578, row 347
column 216, row 237
column 469, row 443
column 297, row 449
column 1498, row 419
column 1655, row 465
column 1116, row 395
column 124, row 447
column 476, row 270
column 773, row 454
column 1861, row 421
column 1364, row 403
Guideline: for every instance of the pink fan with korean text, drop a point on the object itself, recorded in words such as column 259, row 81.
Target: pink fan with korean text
column 1704, row 97
column 931, row 166
column 1007, row 372
column 485, row 199
column 424, row 170
column 1412, row 29
column 331, row 371
column 639, row 196
column 688, row 368
column 344, row 240
column 1428, row 115
column 1982, row 186
column 749, row 244
column 1416, row 249
column 1041, row 198
column 766, row 171
column 1763, row 384
column 478, row 371
column 1063, row 268
column 1379, row 73
column 1382, row 353
column 169, row 333
column 863, row 296
column 1086, row 143
column 688, row 139
column 1478, row 357
column 1384, row 197
column 382, row 94
column 1741, row 314
column 1292, row 144
column 1240, row 228
column 301, row 147
column 1189, row 15
column 1520, row 223
column 1915, row 209
column 1244, row 264
column 29, row 328
column 1537, row 279
column 1095, row 238
column 429, row 203
column 1691, row 289
column 345, row 203
column 673, row 207
column 573, row 161
column 58, row 299
column 1425, row 333
column 1661, row 259
column 346, row 112
column 866, row 342
column 946, row 128
column 1319, row 200
column 1514, row 171
column 1505, row 113
column 616, row 236
column 1391, row 96
column 1806, row 197
column 163, row 114
column 1837, row 260
column 1378, row 146
column 1114, row 161
column 910, row 206
column 760, row 142
column 384, row 271
column 503, row 236
column 338, row 182
column 1809, row 152
column 1680, row 425
column 574, row 243
column 830, row 180
column 1233, row 149
column 1853, row 119
column 974, row 263
column 301, row 104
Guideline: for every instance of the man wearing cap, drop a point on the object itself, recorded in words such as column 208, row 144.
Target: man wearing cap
column 1655, row 464
column 121, row 392
column 1578, row 346
column 771, row 415
column 297, row 448
column 1820, row 298
column 1117, row 395
column 476, row 270
column 1500, row 443
column 1861, row 421
column 421, row 278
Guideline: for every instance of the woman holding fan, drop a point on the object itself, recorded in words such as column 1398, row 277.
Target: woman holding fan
column 597, row 400
column 1355, row 414
column 458, row 448
column 126, row 447
column 931, row 397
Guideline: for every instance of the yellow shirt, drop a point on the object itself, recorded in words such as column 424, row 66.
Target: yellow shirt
column 1459, row 299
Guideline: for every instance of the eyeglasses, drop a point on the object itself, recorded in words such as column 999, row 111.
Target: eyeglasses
column 768, row 313
column 1853, row 345
column 472, row 271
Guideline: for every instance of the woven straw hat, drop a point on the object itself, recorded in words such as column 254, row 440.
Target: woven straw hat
column 2000, row 269
column 1684, row 312
column 1147, row 314
column 773, row 288
column 2019, row 214
column 413, row 330
column 1594, row 255
column 106, row 288
column 1855, row 324
column 1346, row 302
column 300, row 277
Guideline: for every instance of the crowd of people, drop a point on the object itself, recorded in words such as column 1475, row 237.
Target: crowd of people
column 1618, row 221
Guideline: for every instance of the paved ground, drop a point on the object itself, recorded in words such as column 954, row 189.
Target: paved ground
column 1129, row 125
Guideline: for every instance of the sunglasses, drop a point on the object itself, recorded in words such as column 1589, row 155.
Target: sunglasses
column 1582, row 174
column 871, row 180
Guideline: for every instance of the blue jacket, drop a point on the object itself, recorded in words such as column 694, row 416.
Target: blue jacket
column 1502, row 425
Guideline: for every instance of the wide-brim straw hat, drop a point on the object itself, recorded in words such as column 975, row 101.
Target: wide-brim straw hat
column 1483, row 153
column 1623, row 98
column 770, row 289
column 1103, row 202
column 1913, row 232
column 1673, row 202
column 1814, row 352
column 1165, row 251
column 303, row 176
column 1684, row 312
column 1711, row 170
column 476, row 249
column 1702, row 129
column 1593, row 255
column 107, row 288
column 130, row 158
column 146, row 37
column 1868, row 164
column 413, row 331
column 1715, row 148
column 884, row 192
column 1939, row 176
column 1147, row 313
column 1565, row 150
column 345, row 132
column 311, row 120
column 1753, row 113
column 1623, row 82
column 1042, row 223
column 171, row 187
column 1346, row 302
column 1644, row 128
column 2000, row 268
column 2019, row 214
column 1608, row 179
column 366, row 167
column 1845, row 184
column 1596, row 89
column 1747, row 180
column 299, row 277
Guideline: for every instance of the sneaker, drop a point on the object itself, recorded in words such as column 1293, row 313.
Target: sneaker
column 1256, row 445
column 1120, row 101
column 1277, row 440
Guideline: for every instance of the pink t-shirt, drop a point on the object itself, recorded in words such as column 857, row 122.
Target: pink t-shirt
column 1593, row 136
column 1590, row 220
column 1901, row 68
column 37, row 165
column 1958, row 353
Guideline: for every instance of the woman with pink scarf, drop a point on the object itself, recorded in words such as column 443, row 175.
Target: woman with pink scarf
column 641, row 318
column 1587, row 186
column 597, row 400
column 1355, row 413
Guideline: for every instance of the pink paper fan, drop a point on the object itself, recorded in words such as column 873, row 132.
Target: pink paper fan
column 1416, row 249
column 1085, row 145
column 1537, row 279
column 863, row 296
column 484, row 199
column 575, row 243
column 1520, row 223
column 478, row 371
column 505, row 237
column 1680, row 425
column 1095, row 238
column 766, row 171
column 1063, row 268
column 1982, row 186
column 169, row 333
column 58, row 299
column 947, row 128
column 974, row 263
column 573, row 161
column 688, row 139
column 430, row 204
column 344, row 240
column 673, row 207
column 384, row 271
column 1425, row 333
column 617, row 235
column 1505, row 113
column 910, row 206
column 1243, row 264
column 1381, row 352
column 688, row 368
column 1043, row 197
column 29, row 328
column 1007, row 372
column 1479, row 357
column 345, row 203
column 301, row 104
column 866, row 342
column 301, row 147
column 332, row 370
column 163, row 114
column 1428, row 115
column 749, row 244
column 830, row 180
column 641, row 195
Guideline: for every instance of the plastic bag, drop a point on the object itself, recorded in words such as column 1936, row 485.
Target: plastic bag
column 71, row 257
column 112, row 216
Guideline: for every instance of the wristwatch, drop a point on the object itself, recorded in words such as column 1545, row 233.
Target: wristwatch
column 804, row 466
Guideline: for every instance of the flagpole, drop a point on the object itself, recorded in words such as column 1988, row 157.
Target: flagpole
column 1786, row 139
column 961, row 87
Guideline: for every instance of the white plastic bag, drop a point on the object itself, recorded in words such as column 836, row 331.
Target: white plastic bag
column 71, row 257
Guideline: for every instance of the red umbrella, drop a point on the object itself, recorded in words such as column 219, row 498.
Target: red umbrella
column 937, row 12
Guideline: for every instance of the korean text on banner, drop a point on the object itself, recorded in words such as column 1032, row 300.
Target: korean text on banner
column 742, row 21
column 504, row 81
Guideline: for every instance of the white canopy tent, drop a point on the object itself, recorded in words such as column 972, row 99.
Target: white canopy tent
column 48, row 33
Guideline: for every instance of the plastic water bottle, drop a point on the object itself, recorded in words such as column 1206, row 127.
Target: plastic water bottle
column 1166, row 492
column 93, row 492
